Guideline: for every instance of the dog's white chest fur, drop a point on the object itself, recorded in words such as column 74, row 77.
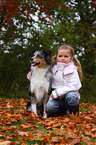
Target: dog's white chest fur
column 39, row 82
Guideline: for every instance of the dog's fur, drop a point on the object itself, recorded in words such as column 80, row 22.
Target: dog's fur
column 40, row 83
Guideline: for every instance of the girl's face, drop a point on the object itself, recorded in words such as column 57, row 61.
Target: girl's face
column 64, row 56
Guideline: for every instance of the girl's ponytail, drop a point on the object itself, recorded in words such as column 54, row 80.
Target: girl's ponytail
column 78, row 65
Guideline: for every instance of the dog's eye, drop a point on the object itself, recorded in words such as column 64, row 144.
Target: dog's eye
column 39, row 56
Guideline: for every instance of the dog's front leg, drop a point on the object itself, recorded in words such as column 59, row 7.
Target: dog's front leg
column 45, row 115
column 33, row 104
column 44, row 103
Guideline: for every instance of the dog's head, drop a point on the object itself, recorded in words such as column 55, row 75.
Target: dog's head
column 40, row 58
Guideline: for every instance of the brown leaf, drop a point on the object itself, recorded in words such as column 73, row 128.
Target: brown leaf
column 39, row 131
column 55, row 139
column 25, row 126
column 50, row 123
column 72, row 116
column 56, row 125
column 67, row 141
column 85, row 139
column 24, row 137
column 75, row 141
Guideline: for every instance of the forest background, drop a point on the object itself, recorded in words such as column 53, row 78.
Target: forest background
column 45, row 25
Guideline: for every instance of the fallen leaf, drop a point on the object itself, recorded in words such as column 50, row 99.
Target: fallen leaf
column 8, row 114
column 39, row 131
column 5, row 143
column 25, row 126
column 30, row 134
column 55, row 125
column 23, row 133
column 75, row 141
column 55, row 140
column 4, row 128
column 24, row 136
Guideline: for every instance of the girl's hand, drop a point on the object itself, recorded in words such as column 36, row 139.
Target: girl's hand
column 52, row 96
column 29, row 75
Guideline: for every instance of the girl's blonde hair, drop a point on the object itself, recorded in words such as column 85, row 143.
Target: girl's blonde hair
column 75, row 60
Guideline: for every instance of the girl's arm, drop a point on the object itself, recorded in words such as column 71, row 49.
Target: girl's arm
column 73, row 85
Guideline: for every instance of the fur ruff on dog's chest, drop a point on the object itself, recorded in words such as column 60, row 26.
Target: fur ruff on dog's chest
column 40, row 78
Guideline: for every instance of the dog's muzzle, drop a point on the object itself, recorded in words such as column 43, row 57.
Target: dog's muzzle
column 35, row 64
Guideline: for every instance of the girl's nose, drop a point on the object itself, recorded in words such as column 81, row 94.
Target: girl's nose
column 63, row 57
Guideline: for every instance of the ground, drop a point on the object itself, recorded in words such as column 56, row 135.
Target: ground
column 20, row 127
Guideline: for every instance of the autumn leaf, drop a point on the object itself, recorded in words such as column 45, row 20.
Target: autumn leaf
column 30, row 134
column 55, row 125
column 55, row 139
column 76, row 141
column 39, row 131
column 4, row 128
column 8, row 114
column 24, row 137
column 23, row 133
column 50, row 123
column 25, row 126
column 5, row 143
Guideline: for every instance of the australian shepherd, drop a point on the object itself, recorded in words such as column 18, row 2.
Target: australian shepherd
column 40, row 82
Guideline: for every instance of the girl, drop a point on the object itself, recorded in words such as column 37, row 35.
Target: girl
column 67, row 75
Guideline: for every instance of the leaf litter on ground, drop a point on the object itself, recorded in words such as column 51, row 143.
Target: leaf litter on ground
column 18, row 126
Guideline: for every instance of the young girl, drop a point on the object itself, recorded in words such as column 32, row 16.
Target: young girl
column 67, row 76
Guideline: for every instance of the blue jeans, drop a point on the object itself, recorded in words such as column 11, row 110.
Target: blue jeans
column 60, row 106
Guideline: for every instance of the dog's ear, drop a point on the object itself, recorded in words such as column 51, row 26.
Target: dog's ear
column 31, row 53
column 48, row 55
column 54, row 60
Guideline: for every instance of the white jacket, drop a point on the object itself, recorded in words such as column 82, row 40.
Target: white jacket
column 65, row 79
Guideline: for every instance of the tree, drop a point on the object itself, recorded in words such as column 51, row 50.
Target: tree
column 18, row 36
column 19, row 17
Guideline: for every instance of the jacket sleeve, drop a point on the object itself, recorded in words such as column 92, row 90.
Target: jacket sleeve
column 74, row 84
column 29, row 75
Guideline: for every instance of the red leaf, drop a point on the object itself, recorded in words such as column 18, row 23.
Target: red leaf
column 30, row 134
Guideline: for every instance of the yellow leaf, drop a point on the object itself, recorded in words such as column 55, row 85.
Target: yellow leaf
column 40, row 138
column 8, row 114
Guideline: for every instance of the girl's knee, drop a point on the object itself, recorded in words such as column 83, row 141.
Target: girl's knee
column 72, row 98
column 51, row 106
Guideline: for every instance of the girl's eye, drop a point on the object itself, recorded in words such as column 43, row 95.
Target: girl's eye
column 66, row 56
column 60, row 55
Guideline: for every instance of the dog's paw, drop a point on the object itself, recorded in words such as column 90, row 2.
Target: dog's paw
column 45, row 115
